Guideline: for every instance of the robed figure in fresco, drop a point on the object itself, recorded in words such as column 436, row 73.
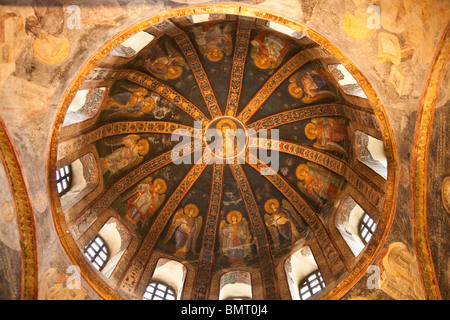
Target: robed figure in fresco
column 132, row 100
column 129, row 155
column 234, row 237
column 318, row 183
column 309, row 85
column 213, row 40
column 185, row 228
column 268, row 50
column 164, row 62
column 327, row 132
column 283, row 224
column 145, row 200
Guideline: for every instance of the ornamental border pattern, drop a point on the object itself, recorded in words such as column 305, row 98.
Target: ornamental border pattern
column 372, row 250
column 24, row 214
column 419, row 166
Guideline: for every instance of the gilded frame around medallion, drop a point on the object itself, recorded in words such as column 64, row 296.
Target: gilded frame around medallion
column 387, row 214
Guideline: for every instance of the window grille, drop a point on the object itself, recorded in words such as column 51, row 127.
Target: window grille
column 158, row 291
column 311, row 284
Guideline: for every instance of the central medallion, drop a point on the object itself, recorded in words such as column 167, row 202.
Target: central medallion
column 226, row 137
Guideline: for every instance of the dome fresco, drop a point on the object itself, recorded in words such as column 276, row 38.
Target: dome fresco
column 162, row 123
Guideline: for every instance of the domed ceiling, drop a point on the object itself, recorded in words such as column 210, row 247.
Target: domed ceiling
column 247, row 207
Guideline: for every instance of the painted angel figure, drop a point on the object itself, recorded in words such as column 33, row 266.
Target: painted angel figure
column 282, row 222
column 327, row 132
column 145, row 199
column 213, row 41
column 131, row 154
column 234, row 237
column 268, row 50
column 317, row 182
column 185, row 228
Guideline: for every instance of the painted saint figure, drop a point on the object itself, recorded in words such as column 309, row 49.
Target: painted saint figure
column 327, row 132
column 268, row 50
column 235, row 237
column 164, row 62
column 317, row 182
column 185, row 228
column 127, row 156
column 227, row 129
column 283, row 224
column 144, row 202
column 213, row 41
column 310, row 85
column 138, row 98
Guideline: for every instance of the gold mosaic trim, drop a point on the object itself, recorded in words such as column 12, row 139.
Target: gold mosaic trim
column 386, row 219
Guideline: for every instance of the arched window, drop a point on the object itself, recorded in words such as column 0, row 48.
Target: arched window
column 311, row 284
column 158, row 291
column 366, row 228
column 299, row 266
column 132, row 45
column 235, row 285
column 286, row 30
column 371, row 152
column 167, row 273
column 347, row 82
column 97, row 252
column 63, row 179
column 84, row 105
column 347, row 219
column 83, row 178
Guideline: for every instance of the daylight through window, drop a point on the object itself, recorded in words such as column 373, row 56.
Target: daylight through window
column 312, row 284
column 158, row 291
column 97, row 252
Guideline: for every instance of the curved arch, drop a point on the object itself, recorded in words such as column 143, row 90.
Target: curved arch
column 232, row 8
column 24, row 214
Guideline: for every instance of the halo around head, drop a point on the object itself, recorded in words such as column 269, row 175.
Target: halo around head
column 310, row 131
column 190, row 206
column 214, row 54
column 268, row 205
column 174, row 72
column 301, row 169
column 262, row 63
column 162, row 183
column 148, row 104
column 223, row 122
column 143, row 146
column 295, row 90
column 235, row 213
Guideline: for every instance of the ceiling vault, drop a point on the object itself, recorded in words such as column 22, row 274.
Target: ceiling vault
column 309, row 112
column 233, row 90
column 137, row 266
column 282, row 74
column 262, row 242
column 202, row 282
column 243, row 32
column 192, row 58
column 331, row 253
column 148, row 82
column 105, row 200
